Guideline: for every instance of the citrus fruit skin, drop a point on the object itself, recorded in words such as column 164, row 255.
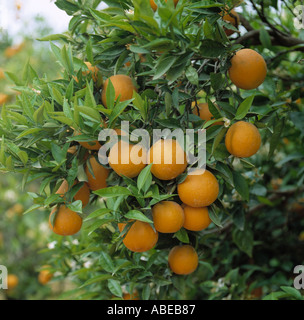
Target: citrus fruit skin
column 243, row 139
column 248, row 69
column 123, row 86
column 202, row 110
column 168, row 159
column 83, row 194
column 133, row 296
column 199, row 189
column 127, row 159
column 45, row 275
column 196, row 219
column 12, row 281
column 140, row 237
column 67, row 222
column 99, row 180
column 233, row 18
column 168, row 216
column 183, row 259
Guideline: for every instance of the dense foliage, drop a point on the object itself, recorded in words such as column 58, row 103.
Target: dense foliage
column 176, row 55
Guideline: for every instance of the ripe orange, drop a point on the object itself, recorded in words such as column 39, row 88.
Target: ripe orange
column 45, row 275
column 82, row 194
column 99, row 180
column 204, row 113
column 183, row 259
column 127, row 159
column 168, row 216
column 248, row 69
column 233, row 18
column 196, row 219
column 2, row 75
column 154, row 6
column 243, row 139
column 140, row 237
column 200, row 189
column 133, row 296
column 123, row 86
column 168, row 158
column 66, row 222
column 13, row 50
column 3, row 98
column 12, row 281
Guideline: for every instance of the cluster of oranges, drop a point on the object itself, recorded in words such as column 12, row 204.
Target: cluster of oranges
column 197, row 191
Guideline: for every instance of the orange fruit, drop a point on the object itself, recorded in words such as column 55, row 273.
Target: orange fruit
column 183, row 259
column 199, row 189
column 66, row 222
column 140, row 237
column 99, row 180
column 133, row 296
column 3, row 98
column 127, row 159
column 82, row 194
column 154, row 6
column 204, row 113
column 168, row 158
column 248, row 69
column 233, row 18
column 13, row 50
column 123, row 86
column 2, row 75
column 196, row 219
column 168, row 216
column 45, row 275
column 243, row 139
column 12, row 281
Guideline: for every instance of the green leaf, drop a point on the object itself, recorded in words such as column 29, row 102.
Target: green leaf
column 163, row 66
column 214, row 217
column 276, row 136
column 137, row 215
column 75, row 206
column 32, row 208
column 182, row 235
column 106, row 262
column 96, row 279
column 192, row 75
column 244, row 108
column 241, row 185
column 98, row 213
column 144, row 176
column 115, row 288
column 28, row 132
column 244, row 240
column 90, row 113
column 293, row 292
column 265, row 38
column 113, row 192
column 211, row 49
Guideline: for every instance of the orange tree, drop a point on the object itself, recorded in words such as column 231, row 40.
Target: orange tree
column 153, row 64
